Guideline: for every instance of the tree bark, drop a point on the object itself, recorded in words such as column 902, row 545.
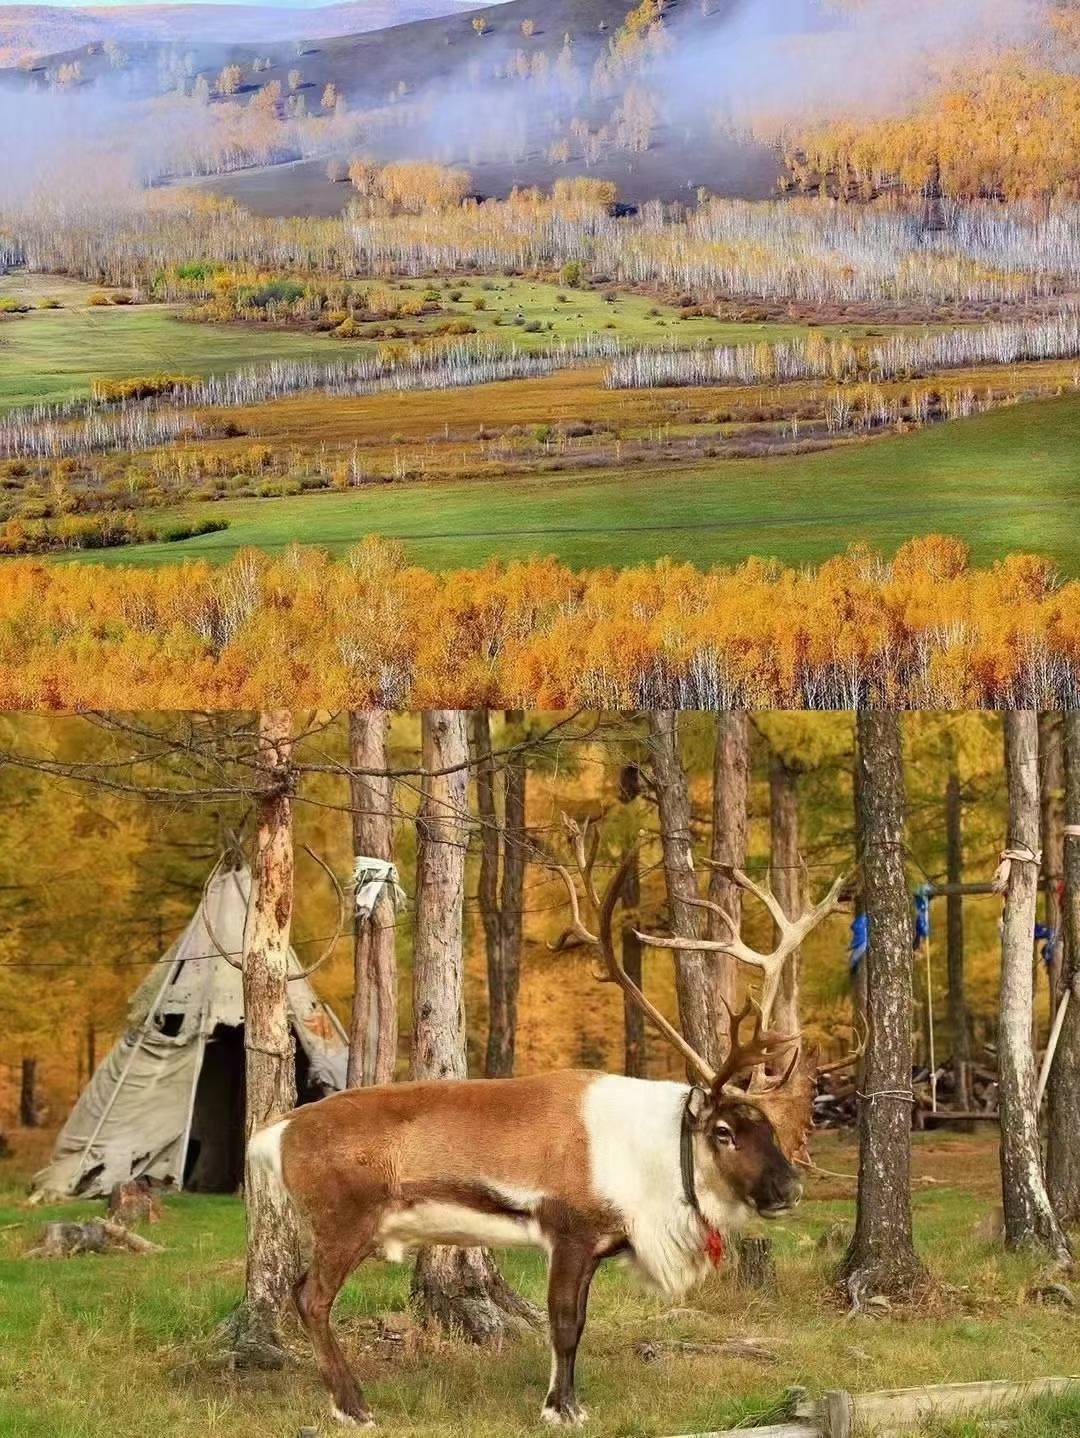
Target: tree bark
column 881, row 1258
column 731, row 779
column 959, row 1015
column 373, row 1027
column 270, row 1065
column 28, row 1103
column 459, row 1288
column 1051, row 789
column 1029, row 1218
column 787, row 882
column 1063, row 1092
column 502, row 846
column 634, row 1062
column 693, row 979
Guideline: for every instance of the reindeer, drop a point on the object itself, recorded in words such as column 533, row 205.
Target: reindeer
column 586, row 1166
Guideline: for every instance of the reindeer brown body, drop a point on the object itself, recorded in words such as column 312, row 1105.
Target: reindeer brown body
column 586, row 1166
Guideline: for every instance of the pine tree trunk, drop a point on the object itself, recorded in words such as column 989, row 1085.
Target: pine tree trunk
column 511, row 903
column 270, row 1064
column 373, row 1027
column 1029, row 1219
column 634, row 1060
column 731, row 778
column 786, row 879
column 1063, row 1092
column 881, row 1258
column 500, row 909
column 1051, row 790
column 461, row 1289
column 693, row 979
column 959, row 1015
column 28, row 1104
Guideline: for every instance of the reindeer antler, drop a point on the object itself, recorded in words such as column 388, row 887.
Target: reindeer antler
column 757, row 1050
column 585, row 842
column 792, row 933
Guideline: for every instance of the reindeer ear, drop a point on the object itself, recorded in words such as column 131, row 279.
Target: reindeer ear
column 697, row 1103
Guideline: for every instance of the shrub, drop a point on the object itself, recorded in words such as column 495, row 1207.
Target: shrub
column 98, row 298
column 175, row 533
column 571, row 274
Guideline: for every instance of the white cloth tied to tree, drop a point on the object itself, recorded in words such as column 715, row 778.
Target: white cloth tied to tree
column 371, row 877
column 1014, row 854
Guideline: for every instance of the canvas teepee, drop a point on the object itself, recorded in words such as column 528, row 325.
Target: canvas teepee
column 168, row 1101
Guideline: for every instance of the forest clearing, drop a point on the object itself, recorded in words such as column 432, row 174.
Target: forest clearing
column 144, row 806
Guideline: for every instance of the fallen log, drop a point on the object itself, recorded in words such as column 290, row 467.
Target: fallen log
column 897, row 1410
column 753, row 1350
column 69, row 1240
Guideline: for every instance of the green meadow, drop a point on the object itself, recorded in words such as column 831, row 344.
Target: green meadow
column 1004, row 482
column 55, row 354
column 118, row 1346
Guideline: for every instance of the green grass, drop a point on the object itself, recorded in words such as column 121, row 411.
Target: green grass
column 117, row 1346
column 55, row 354
column 1004, row 481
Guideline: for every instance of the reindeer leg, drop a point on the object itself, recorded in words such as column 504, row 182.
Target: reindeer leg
column 314, row 1295
column 573, row 1263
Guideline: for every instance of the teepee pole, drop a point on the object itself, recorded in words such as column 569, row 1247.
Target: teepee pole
column 127, row 1067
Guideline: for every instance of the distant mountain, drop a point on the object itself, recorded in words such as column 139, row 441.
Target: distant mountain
column 28, row 32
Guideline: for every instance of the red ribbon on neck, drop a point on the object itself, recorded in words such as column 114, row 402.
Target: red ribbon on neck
column 715, row 1247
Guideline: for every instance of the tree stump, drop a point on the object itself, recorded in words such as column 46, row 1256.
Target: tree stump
column 462, row 1290
column 134, row 1202
column 755, row 1265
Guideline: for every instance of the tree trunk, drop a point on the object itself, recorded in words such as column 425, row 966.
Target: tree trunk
column 1029, row 1219
column 1063, row 1093
column 693, row 979
column 28, row 1102
column 786, row 879
column 500, row 909
column 731, row 778
column 634, row 1063
column 858, row 975
column 881, row 1258
column 459, row 1288
column 373, row 1027
column 959, row 1016
column 1051, row 790
column 270, row 1064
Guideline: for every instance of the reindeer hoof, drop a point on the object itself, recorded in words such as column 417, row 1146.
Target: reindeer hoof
column 568, row 1416
column 351, row 1420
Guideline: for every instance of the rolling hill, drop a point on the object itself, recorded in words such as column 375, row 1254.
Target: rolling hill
column 30, row 32
column 462, row 101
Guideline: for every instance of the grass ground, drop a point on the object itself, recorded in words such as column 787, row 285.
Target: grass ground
column 115, row 1347
column 1004, row 481
column 54, row 354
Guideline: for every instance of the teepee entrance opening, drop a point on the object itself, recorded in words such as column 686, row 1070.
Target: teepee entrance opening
column 168, row 1100
column 215, row 1157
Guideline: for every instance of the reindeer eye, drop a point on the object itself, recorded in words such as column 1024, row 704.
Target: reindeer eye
column 724, row 1136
